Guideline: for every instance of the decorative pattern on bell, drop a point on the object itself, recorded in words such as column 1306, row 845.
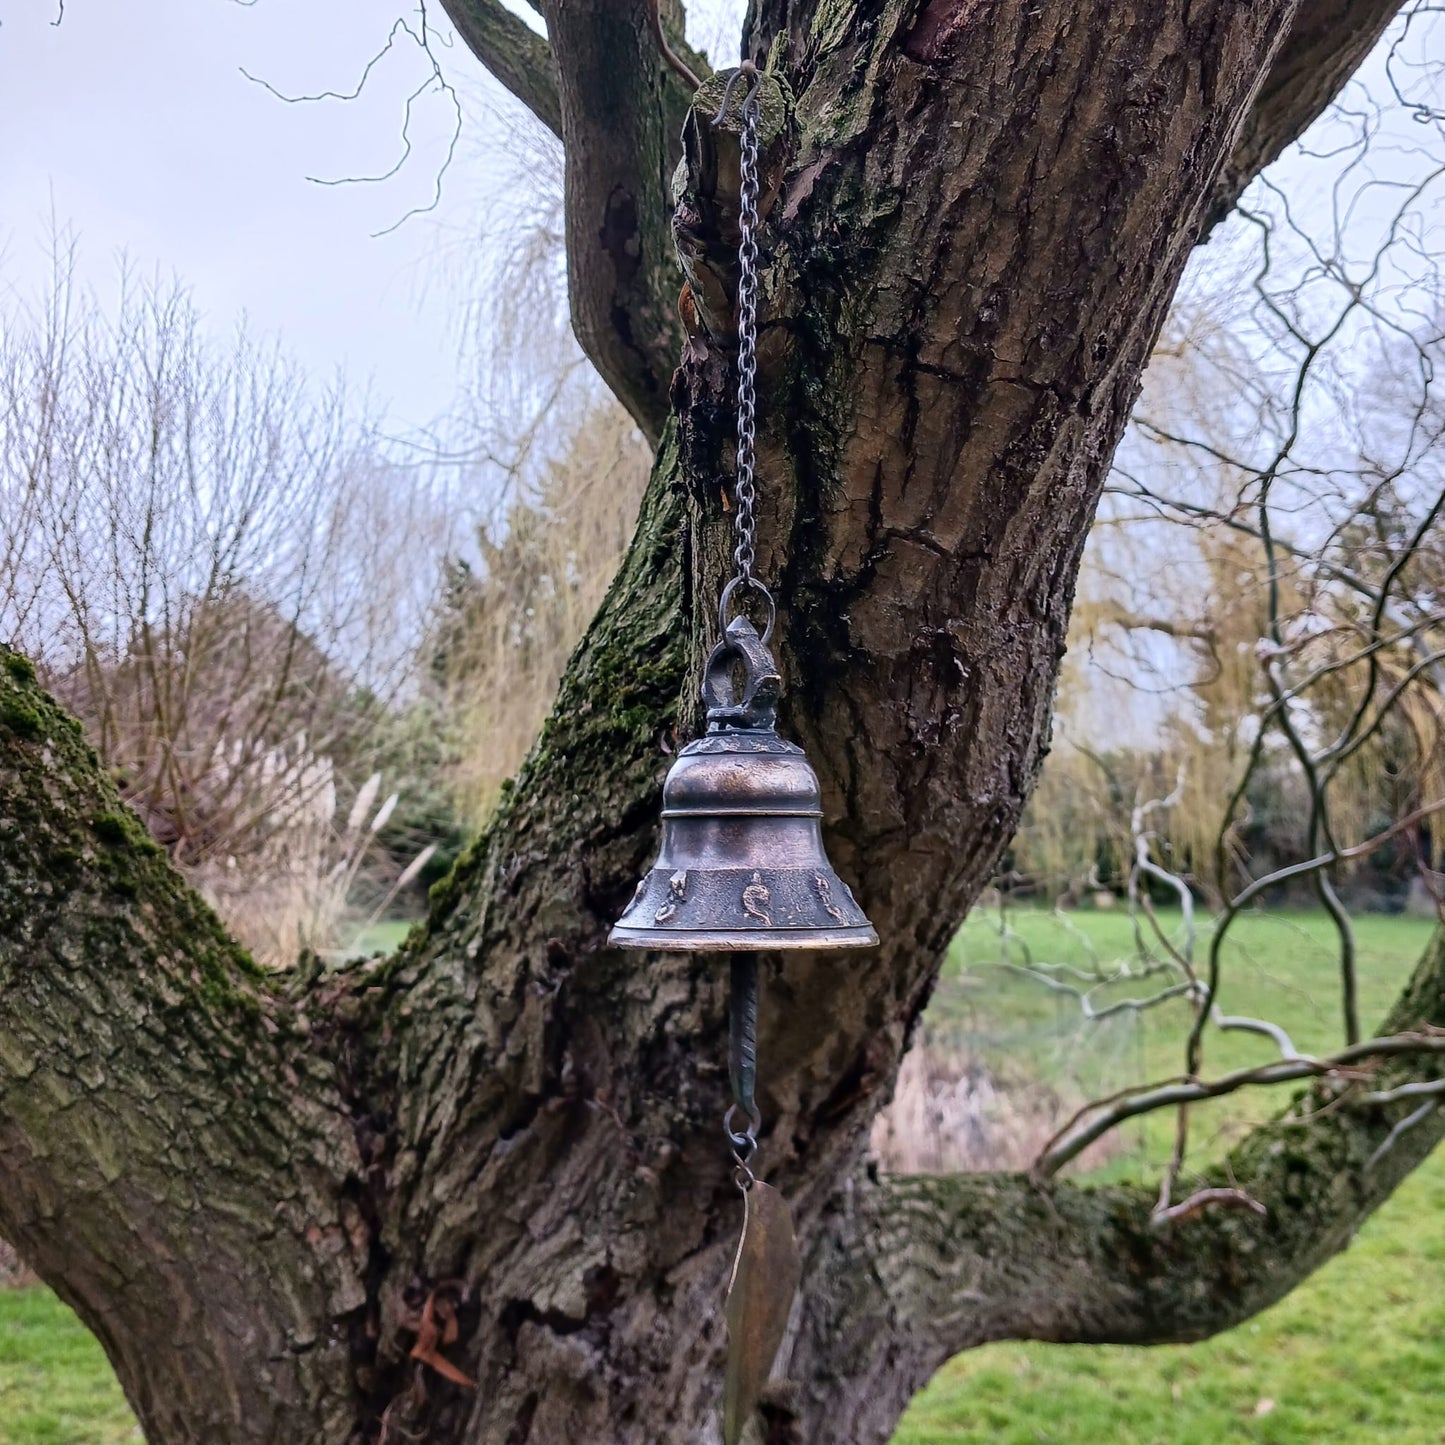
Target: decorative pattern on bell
column 741, row 864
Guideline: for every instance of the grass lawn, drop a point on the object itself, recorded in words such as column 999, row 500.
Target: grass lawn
column 1279, row 966
column 56, row 1387
column 1356, row 1356
column 381, row 937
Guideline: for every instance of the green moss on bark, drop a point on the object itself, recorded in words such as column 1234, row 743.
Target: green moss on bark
column 21, row 669
column 19, row 717
column 69, row 833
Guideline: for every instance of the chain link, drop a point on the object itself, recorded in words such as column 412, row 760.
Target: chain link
column 745, row 490
column 743, row 982
column 744, row 554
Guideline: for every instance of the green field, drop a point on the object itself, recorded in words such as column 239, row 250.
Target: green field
column 56, row 1387
column 381, row 937
column 1279, row 966
column 1353, row 1357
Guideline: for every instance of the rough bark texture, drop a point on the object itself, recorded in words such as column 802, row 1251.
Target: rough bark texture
column 258, row 1195
column 176, row 1157
column 622, row 113
column 514, row 53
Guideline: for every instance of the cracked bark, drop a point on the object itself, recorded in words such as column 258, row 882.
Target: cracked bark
column 977, row 217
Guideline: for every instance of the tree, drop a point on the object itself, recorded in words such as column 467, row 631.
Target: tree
column 276, row 1203
column 214, row 570
column 507, row 628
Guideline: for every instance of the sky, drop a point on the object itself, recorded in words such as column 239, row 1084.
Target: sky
column 131, row 121
column 134, row 125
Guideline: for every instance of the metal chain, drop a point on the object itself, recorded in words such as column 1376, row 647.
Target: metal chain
column 744, row 554
column 743, row 982
column 745, row 524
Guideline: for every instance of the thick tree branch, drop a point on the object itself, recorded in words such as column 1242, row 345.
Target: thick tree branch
column 1326, row 42
column 167, row 1137
column 622, row 113
column 608, row 89
column 520, row 58
column 620, row 108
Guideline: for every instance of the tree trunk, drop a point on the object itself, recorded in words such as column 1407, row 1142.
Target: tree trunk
column 264, row 1196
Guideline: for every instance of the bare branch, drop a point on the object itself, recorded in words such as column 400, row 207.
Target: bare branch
column 1077, row 1135
column 622, row 114
column 421, row 37
column 1204, row 1199
column 1268, row 1030
column 680, row 67
column 1337, row 855
column 1410, row 1121
column 513, row 52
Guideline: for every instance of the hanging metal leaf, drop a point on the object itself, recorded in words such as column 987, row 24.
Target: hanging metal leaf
column 760, row 1295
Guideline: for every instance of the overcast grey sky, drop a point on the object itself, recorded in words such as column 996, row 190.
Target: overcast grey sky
column 134, row 122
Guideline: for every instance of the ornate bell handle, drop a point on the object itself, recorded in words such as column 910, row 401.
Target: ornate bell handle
column 753, row 704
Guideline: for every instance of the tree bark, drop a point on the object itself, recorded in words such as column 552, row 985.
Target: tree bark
column 514, row 54
column 622, row 111
column 625, row 115
column 176, row 1155
column 264, row 1195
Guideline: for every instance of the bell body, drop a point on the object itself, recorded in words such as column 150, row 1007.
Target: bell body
column 741, row 863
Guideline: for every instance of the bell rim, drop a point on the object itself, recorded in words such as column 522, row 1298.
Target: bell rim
column 742, row 940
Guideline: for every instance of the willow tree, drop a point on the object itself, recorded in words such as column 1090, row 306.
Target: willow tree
column 475, row 1192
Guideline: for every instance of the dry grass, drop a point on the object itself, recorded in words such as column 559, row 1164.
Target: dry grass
column 951, row 1114
column 297, row 889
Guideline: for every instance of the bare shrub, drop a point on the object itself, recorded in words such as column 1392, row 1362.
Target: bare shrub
column 949, row 1113
column 208, row 560
column 979, row 1090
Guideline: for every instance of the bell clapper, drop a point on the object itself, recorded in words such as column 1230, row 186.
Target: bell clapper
column 742, row 1121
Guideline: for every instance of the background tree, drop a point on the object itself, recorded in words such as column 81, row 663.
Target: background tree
column 276, row 1203
column 222, row 572
column 509, row 624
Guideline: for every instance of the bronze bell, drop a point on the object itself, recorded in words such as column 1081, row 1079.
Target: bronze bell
column 742, row 865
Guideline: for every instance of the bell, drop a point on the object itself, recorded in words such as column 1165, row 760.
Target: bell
column 742, row 866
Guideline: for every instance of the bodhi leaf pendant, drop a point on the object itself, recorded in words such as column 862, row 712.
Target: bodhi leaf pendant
column 760, row 1297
